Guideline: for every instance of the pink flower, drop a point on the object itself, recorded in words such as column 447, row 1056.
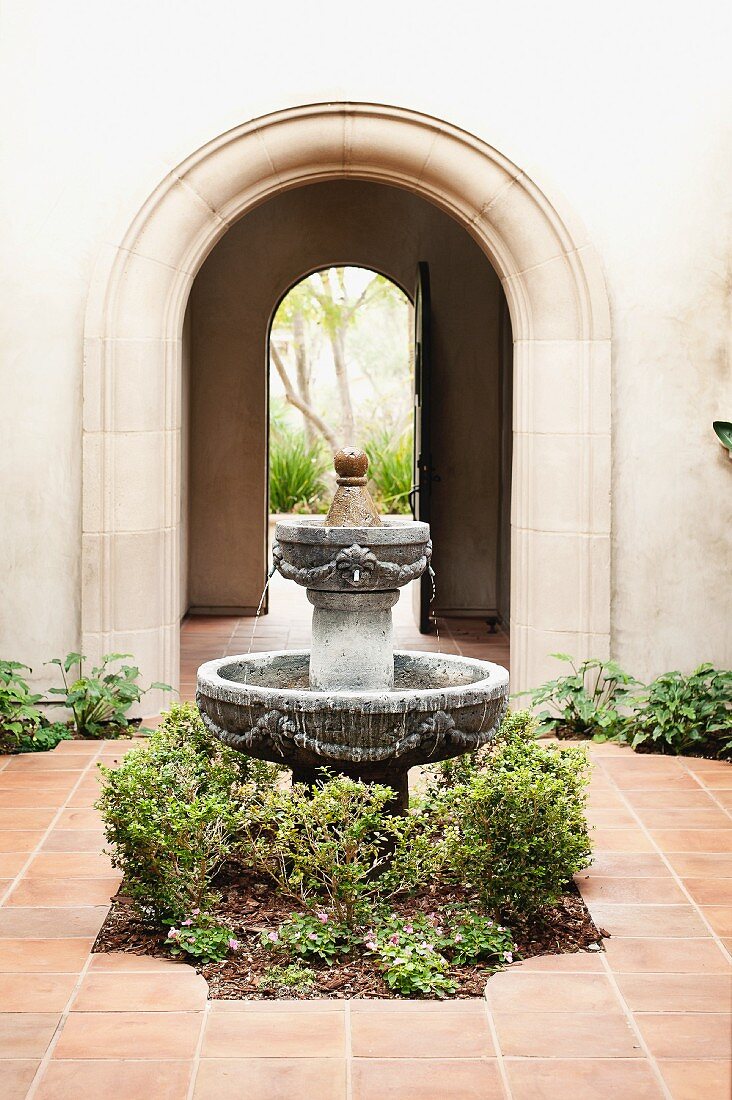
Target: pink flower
column 508, row 956
column 458, row 938
column 186, row 923
column 273, row 937
column 195, row 912
column 394, row 938
column 173, row 933
column 322, row 917
column 233, row 944
column 408, row 928
column 312, row 935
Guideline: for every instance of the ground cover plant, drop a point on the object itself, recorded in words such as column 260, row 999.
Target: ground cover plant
column 278, row 890
column 23, row 725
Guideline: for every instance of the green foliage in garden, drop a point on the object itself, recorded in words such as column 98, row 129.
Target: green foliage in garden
column 296, row 473
column 684, row 714
column 519, row 724
column 586, row 702
column 100, row 700
column 284, row 980
column 391, row 470
column 202, row 939
column 313, row 936
column 328, row 846
column 23, row 727
column 515, row 833
column 170, row 815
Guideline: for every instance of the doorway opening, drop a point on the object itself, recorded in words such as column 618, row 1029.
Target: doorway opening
column 301, row 338
column 341, row 374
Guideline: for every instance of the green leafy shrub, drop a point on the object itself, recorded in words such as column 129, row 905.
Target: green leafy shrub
column 170, row 815
column 391, row 470
column 585, row 703
column 100, row 701
column 296, row 473
column 471, row 938
column 310, row 936
column 684, row 714
column 519, row 724
column 23, row 727
column 516, row 832
column 202, row 939
column 327, row 846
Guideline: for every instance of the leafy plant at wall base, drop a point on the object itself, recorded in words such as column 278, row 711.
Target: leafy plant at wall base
column 100, row 701
column 516, row 833
column 310, row 936
column 44, row 738
column 23, row 727
column 19, row 715
column 202, row 939
column 684, row 714
column 585, row 703
column 170, row 815
column 391, row 470
column 296, row 473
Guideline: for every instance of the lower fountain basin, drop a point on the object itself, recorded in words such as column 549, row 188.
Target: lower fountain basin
column 440, row 706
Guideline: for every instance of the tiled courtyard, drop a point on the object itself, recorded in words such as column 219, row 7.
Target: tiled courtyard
column 648, row 1018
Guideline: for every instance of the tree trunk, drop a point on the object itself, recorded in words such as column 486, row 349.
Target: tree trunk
column 297, row 402
column 302, row 371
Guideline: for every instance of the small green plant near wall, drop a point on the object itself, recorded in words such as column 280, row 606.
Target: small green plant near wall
column 684, row 714
column 587, row 702
column 23, row 726
column 100, row 700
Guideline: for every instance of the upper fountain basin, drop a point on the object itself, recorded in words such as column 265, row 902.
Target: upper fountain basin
column 351, row 559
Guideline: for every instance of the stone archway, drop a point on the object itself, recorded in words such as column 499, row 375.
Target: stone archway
column 133, row 346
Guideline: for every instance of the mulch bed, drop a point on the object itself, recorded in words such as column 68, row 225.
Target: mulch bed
column 250, row 906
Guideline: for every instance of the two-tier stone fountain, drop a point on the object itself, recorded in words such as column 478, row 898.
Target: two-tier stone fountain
column 352, row 704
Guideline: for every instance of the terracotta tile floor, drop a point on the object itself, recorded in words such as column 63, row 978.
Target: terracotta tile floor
column 649, row 1018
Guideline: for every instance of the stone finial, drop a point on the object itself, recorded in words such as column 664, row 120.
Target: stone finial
column 352, row 504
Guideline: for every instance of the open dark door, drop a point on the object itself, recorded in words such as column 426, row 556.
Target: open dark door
column 423, row 473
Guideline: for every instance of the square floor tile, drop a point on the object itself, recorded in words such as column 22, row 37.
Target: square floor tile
column 64, row 892
column 35, row 992
column 142, row 1035
column 676, row 992
column 16, row 1076
column 271, row 1079
column 687, row 1035
column 426, row 1079
column 43, row 956
column 566, row 1035
column 582, row 1079
column 285, row 1034
column 698, row 1080
column 26, row 1034
column 122, row 1080
column 181, row 990
column 43, row 923
column 512, row 991
column 666, row 956
column 419, row 1033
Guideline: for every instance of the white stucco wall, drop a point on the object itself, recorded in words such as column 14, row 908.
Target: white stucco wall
column 622, row 109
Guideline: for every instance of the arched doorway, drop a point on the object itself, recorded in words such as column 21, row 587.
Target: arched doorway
column 133, row 489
